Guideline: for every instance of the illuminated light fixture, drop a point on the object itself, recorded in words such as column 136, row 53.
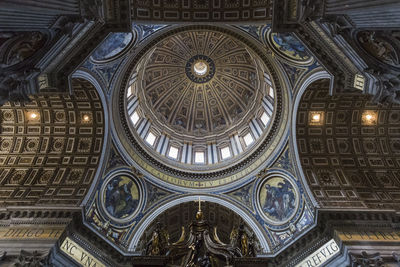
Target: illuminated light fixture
column 86, row 118
column 369, row 117
column 316, row 117
column 33, row 115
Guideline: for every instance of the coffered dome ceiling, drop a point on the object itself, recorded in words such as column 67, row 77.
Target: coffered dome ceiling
column 199, row 100
column 205, row 101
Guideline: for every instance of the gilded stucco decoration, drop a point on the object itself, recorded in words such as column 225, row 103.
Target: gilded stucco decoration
column 200, row 108
column 200, row 11
column 17, row 48
column 168, row 107
column 349, row 161
column 49, row 152
column 380, row 46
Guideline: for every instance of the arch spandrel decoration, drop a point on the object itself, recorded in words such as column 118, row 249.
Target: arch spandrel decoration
column 50, row 147
column 117, row 205
column 121, row 197
column 281, row 206
column 278, row 199
column 21, row 48
column 381, row 47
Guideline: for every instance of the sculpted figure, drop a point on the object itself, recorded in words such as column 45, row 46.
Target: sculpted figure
column 245, row 244
column 14, row 86
column 388, row 91
column 379, row 48
column 159, row 241
column 24, row 49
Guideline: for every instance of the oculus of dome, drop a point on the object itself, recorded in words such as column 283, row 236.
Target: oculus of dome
column 200, row 69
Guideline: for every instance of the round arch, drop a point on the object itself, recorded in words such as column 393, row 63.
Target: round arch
column 88, row 77
column 245, row 216
column 317, row 74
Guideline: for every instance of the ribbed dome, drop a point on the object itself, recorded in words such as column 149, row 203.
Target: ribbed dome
column 199, row 100
column 199, row 83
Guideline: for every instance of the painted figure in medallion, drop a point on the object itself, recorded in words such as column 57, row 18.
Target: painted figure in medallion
column 121, row 197
column 290, row 46
column 278, row 199
column 112, row 45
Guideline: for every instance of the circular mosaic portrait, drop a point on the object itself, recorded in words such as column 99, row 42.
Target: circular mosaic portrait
column 289, row 47
column 278, row 199
column 121, row 197
column 114, row 44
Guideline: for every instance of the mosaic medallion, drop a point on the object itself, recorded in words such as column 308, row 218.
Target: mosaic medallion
column 278, row 199
column 200, row 69
column 121, row 197
column 289, row 47
column 113, row 45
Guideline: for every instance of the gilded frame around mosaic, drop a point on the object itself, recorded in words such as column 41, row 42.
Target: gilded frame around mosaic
column 287, row 46
column 277, row 198
column 121, row 196
column 114, row 46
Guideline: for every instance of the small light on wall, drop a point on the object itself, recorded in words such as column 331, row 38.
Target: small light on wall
column 316, row 117
column 86, row 117
column 369, row 117
column 33, row 115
